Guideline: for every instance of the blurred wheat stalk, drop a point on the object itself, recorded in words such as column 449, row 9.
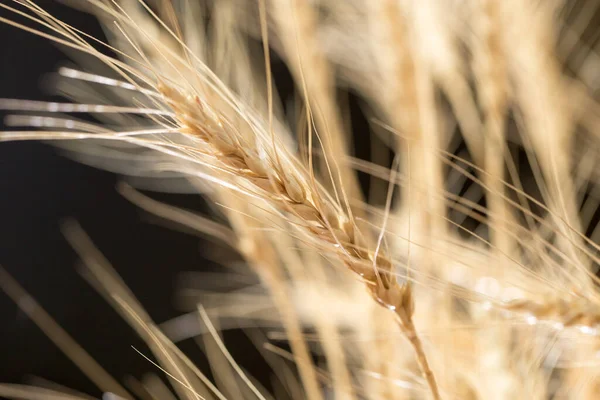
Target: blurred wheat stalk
column 479, row 266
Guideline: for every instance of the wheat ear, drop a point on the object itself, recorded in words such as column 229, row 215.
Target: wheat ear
column 277, row 180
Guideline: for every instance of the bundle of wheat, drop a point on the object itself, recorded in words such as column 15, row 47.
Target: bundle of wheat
column 467, row 269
